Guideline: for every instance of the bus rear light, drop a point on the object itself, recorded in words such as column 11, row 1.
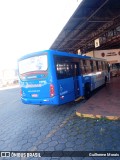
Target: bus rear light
column 52, row 93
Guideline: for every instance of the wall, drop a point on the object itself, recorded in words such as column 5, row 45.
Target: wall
column 112, row 55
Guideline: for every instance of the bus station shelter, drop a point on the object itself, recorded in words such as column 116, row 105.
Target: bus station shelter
column 92, row 20
column 94, row 26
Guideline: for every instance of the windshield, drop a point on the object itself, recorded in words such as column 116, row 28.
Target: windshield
column 37, row 63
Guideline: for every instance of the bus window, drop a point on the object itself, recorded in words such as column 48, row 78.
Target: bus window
column 63, row 70
column 102, row 64
column 85, row 66
column 82, row 67
column 33, row 65
column 99, row 66
column 94, row 66
column 88, row 66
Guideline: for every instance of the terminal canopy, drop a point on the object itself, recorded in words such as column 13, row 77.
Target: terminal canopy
column 93, row 19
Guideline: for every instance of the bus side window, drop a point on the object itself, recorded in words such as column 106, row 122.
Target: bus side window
column 67, row 70
column 94, row 66
column 85, row 66
column 99, row 66
column 102, row 64
column 88, row 66
column 82, row 67
column 60, row 70
column 64, row 70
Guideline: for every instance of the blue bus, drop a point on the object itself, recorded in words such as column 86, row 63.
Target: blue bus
column 52, row 77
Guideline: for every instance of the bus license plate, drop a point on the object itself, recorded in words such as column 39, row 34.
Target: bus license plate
column 34, row 95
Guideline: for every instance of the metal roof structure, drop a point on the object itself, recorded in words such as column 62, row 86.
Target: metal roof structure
column 92, row 19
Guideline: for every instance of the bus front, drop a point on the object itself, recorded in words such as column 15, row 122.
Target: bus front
column 34, row 75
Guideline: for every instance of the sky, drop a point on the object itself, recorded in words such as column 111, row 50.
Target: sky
column 28, row 26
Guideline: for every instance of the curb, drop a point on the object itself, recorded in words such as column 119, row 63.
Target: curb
column 97, row 116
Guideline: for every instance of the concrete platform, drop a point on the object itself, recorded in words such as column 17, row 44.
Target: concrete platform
column 105, row 103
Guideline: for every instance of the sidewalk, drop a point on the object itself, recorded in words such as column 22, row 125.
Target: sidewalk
column 104, row 104
column 10, row 87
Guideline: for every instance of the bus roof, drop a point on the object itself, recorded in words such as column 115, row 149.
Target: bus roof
column 55, row 52
column 101, row 59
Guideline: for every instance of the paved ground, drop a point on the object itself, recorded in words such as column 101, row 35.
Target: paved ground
column 43, row 128
column 105, row 103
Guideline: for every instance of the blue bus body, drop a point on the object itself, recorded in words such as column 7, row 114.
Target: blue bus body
column 52, row 78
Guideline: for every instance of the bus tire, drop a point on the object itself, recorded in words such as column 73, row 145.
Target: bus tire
column 87, row 91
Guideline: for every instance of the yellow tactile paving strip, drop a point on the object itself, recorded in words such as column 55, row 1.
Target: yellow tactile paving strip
column 104, row 104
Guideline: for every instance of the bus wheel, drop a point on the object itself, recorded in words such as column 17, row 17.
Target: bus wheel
column 87, row 91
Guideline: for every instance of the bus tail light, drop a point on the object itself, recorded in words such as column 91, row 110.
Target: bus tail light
column 52, row 92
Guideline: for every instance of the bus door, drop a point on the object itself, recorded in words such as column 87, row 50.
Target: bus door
column 76, row 79
column 65, row 82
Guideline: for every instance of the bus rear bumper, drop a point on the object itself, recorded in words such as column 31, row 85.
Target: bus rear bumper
column 47, row 101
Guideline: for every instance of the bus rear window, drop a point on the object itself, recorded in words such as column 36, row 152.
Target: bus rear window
column 36, row 63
